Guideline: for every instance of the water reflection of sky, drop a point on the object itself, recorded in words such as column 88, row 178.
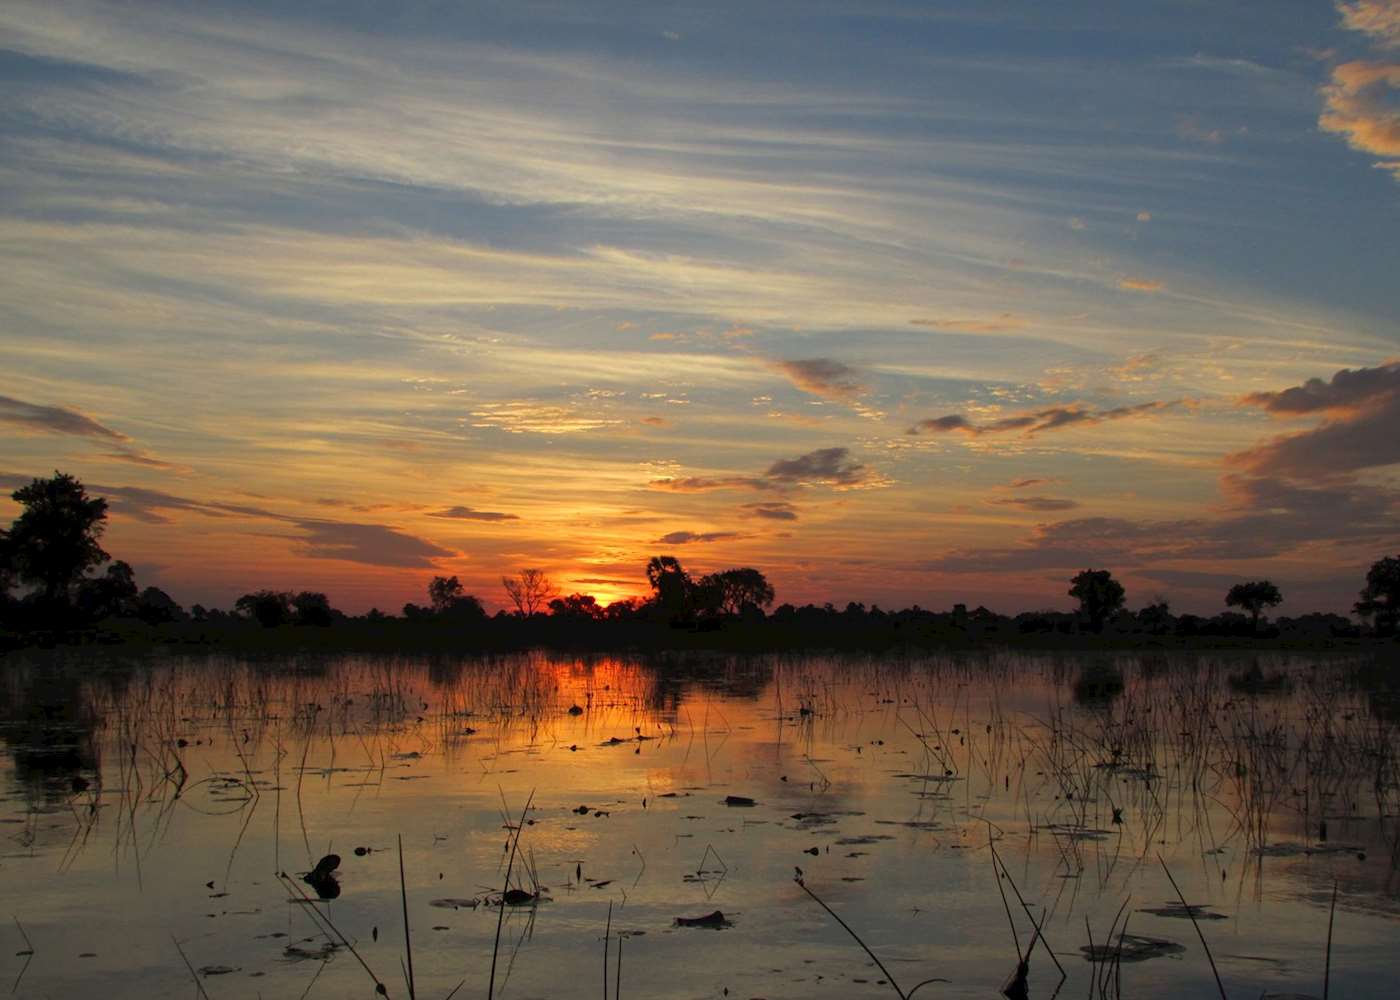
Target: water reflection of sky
column 129, row 788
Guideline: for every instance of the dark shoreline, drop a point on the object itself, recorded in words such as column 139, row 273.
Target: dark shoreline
column 514, row 635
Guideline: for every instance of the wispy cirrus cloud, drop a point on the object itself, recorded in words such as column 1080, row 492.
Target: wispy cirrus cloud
column 1039, row 421
column 1001, row 323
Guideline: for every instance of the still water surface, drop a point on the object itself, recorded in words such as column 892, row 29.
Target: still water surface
column 146, row 804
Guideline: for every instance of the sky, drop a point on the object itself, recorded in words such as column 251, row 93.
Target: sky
column 901, row 303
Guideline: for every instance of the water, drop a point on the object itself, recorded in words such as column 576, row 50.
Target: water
column 199, row 780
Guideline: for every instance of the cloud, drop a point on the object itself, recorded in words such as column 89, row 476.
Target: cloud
column 1363, row 411
column 1140, row 285
column 151, row 506
column 709, row 484
column 1348, row 391
column 142, row 459
column 1035, row 503
column 826, row 466
column 822, row 377
column 773, row 510
column 1261, row 518
column 996, row 324
column 529, row 417
column 460, row 513
column 54, row 420
column 1021, row 484
column 831, row 467
column 1378, row 18
column 690, row 537
column 1355, row 108
column 1039, row 421
column 371, row 544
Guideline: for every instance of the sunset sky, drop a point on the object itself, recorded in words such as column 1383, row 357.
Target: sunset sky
column 899, row 302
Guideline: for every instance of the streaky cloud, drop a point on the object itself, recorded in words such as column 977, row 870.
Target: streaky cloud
column 369, row 544
column 691, row 537
column 54, row 420
column 460, row 513
column 1043, row 504
column 1040, row 421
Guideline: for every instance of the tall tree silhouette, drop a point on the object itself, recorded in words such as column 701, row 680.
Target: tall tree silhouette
column 54, row 541
column 1380, row 598
column 1099, row 595
column 670, row 585
column 530, row 591
column 1254, row 597
column 442, row 591
column 741, row 588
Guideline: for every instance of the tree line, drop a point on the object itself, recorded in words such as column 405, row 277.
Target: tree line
column 54, row 574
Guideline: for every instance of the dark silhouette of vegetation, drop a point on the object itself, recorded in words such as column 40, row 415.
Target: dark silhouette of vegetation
column 1099, row 595
column 1380, row 598
column 448, row 601
column 578, row 606
column 269, row 608
column 740, row 589
column 112, row 595
column 731, row 608
column 530, row 591
column 54, row 542
column 1254, row 597
column 155, row 607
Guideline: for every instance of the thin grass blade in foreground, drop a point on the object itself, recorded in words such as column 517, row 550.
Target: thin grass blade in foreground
column 501, row 915
column 407, row 937
column 875, row 958
column 1190, row 913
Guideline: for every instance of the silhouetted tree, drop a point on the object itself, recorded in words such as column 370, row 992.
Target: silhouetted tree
column 741, row 588
column 111, row 595
column 54, row 541
column 1099, row 595
column 576, row 606
column 529, row 590
column 442, row 591
column 627, row 609
column 312, row 608
column 269, row 608
column 1254, row 597
column 1380, row 598
column 670, row 585
column 155, row 607
column 1156, row 618
column 448, row 600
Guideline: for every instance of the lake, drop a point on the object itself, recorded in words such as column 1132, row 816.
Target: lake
column 148, row 805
